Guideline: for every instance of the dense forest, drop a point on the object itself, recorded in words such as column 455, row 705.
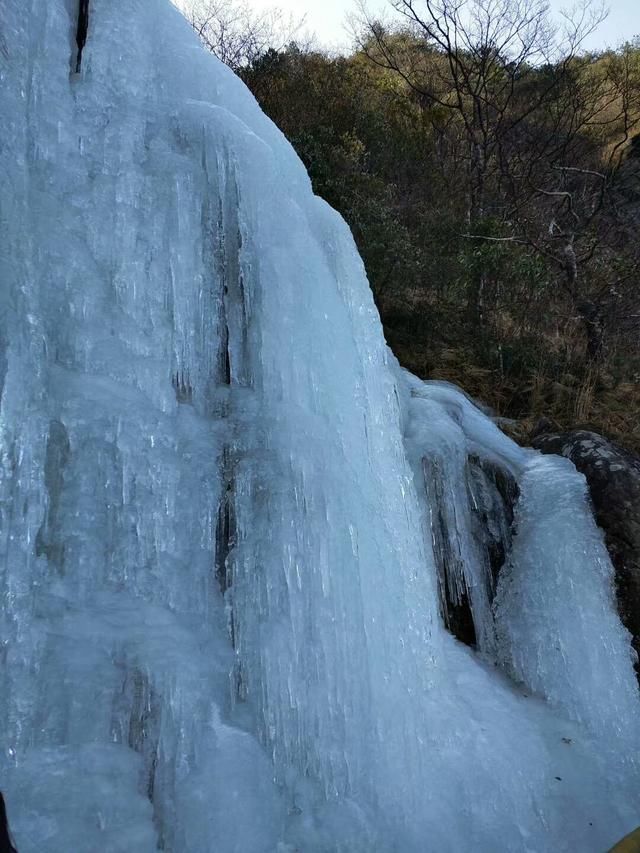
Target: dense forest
column 489, row 168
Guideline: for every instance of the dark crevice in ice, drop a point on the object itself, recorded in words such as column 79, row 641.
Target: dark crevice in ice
column 81, row 31
column 48, row 540
column 137, row 717
column 225, row 529
column 491, row 494
column 182, row 386
column 224, row 356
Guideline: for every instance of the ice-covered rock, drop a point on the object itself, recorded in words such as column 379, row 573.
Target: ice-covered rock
column 613, row 477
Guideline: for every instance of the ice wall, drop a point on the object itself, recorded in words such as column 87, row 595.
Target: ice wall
column 550, row 620
column 221, row 623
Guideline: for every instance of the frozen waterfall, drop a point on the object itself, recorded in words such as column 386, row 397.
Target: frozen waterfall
column 232, row 529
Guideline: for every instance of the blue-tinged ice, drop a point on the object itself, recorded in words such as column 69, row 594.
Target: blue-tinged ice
column 229, row 525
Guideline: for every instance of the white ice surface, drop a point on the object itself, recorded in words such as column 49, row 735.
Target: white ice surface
column 184, row 327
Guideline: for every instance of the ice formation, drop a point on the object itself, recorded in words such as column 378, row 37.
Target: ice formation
column 230, row 526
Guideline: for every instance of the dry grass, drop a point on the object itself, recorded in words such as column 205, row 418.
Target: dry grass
column 563, row 390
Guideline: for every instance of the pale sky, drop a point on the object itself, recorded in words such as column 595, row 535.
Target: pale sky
column 326, row 18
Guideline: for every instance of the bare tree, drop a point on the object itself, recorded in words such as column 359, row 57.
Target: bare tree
column 532, row 117
column 237, row 34
column 468, row 58
column 570, row 194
